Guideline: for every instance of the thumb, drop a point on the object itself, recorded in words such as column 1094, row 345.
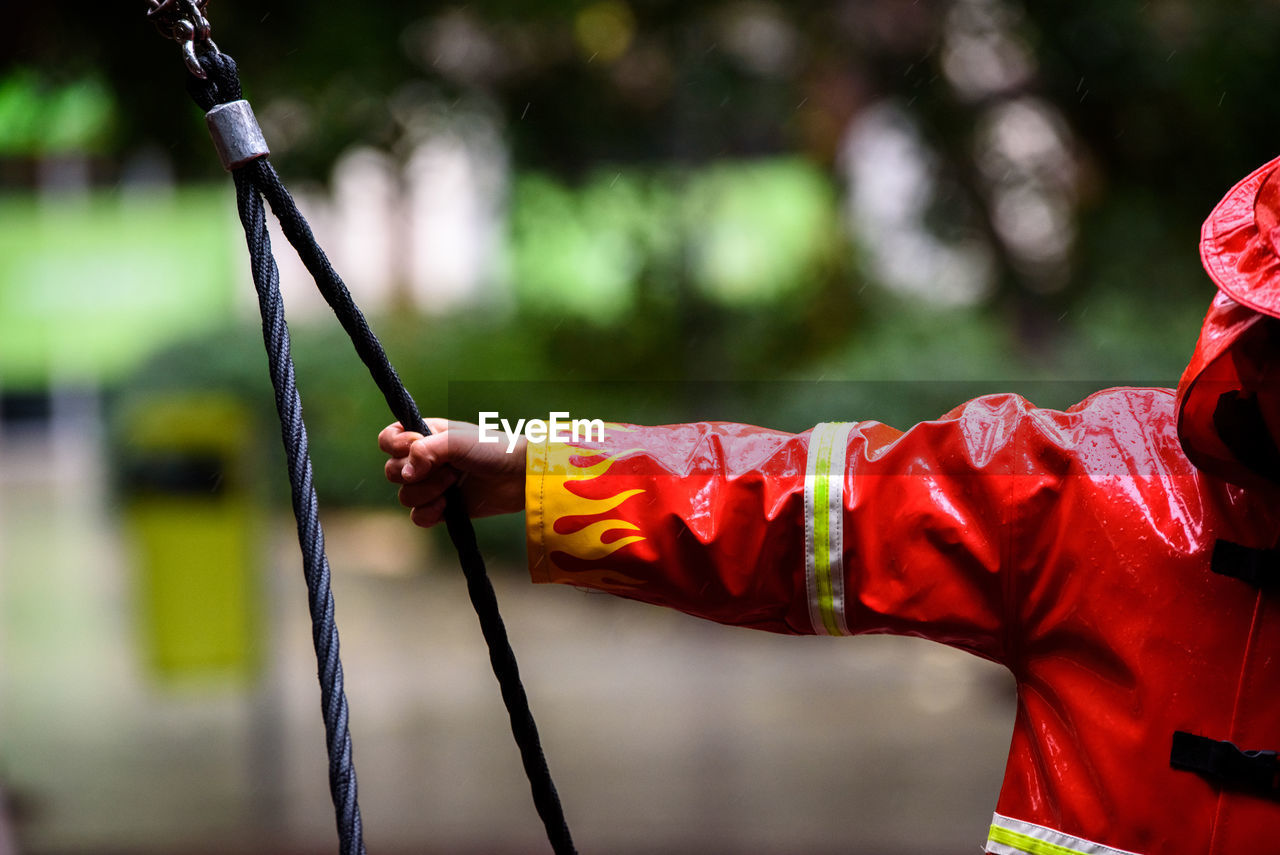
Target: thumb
column 427, row 454
column 450, row 443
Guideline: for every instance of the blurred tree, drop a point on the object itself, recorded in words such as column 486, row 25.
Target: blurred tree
column 1072, row 147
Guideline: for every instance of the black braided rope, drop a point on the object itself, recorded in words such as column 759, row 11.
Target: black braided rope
column 254, row 182
column 324, row 630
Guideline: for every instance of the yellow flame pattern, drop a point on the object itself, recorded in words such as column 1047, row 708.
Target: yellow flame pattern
column 558, row 502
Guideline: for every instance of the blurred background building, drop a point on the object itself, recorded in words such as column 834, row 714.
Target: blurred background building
column 773, row 212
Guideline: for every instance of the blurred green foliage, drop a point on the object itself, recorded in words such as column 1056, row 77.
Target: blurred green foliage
column 37, row 118
column 750, row 233
column 1167, row 103
column 89, row 285
column 676, row 212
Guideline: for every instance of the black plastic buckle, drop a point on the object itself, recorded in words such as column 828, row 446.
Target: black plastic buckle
column 1259, row 567
column 1256, row 772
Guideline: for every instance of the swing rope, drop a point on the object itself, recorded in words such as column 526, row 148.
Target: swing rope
column 255, row 182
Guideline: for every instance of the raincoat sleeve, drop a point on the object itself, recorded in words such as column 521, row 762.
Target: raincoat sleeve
column 847, row 528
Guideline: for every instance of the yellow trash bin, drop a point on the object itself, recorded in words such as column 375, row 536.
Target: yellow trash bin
column 194, row 518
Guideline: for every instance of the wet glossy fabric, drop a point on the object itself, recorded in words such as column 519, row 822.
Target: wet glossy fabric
column 1072, row 547
column 1237, row 351
column 1240, row 242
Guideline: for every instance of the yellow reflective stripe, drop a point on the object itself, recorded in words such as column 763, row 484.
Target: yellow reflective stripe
column 1030, row 845
column 810, row 539
column 822, row 534
column 1016, row 837
column 824, row 527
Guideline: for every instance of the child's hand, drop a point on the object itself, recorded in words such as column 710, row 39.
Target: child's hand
column 491, row 479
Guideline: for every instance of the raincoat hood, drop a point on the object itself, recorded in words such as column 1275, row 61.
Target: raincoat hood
column 1229, row 396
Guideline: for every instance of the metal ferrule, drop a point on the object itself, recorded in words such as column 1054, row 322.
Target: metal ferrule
column 236, row 134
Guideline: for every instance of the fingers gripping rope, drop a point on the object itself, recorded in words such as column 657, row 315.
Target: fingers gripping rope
column 257, row 180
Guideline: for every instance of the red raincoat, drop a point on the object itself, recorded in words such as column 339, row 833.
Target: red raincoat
column 1116, row 557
